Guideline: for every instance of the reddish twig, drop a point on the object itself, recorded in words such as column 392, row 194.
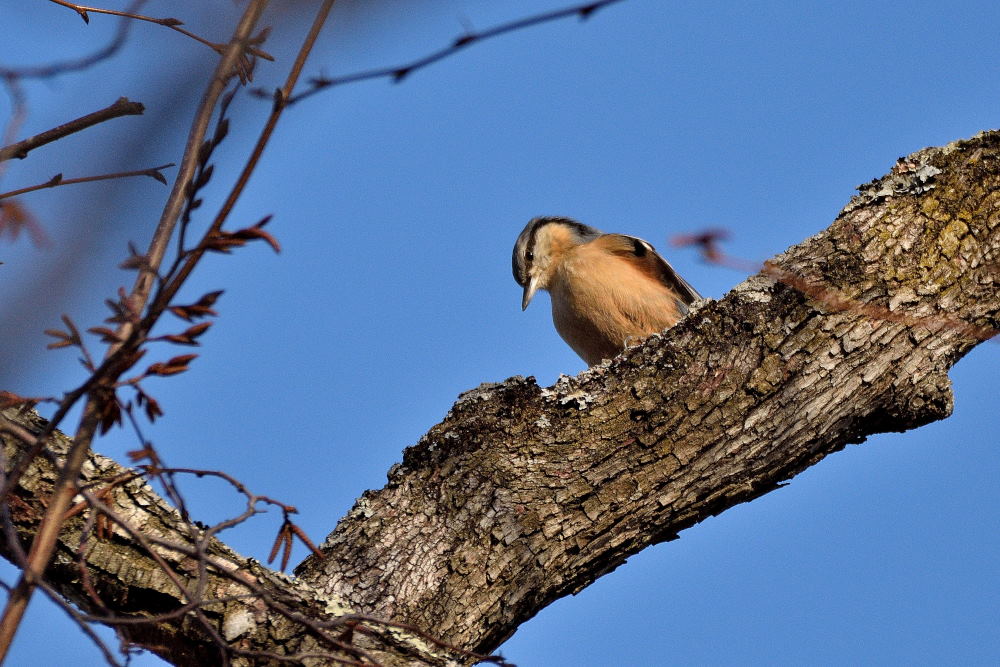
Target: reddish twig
column 831, row 298
column 47, row 534
column 185, row 268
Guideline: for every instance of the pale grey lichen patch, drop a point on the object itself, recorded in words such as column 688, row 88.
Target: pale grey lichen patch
column 695, row 306
column 237, row 623
column 362, row 510
column 912, row 175
column 566, row 390
column 336, row 607
column 755, row 288
column 580, row 397
column 484, row 392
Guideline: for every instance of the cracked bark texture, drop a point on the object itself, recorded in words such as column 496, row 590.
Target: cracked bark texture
column 526, row 494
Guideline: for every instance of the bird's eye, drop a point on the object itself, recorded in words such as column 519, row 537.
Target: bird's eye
column 530, row 256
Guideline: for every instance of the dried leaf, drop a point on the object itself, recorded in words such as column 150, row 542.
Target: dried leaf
column 109, row 412
column 173, row 366
column 65, row 340
column 153, row 409
column 305, row 539
column 254, row 233
column 182, row 359
column 288, row 551
column 146, row 453
column 279, row 539
column 202, row 308
column 150, row 404
column 107, row 335
column 16, row 218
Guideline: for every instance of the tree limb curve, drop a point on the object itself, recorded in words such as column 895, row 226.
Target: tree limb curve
column 523, row 494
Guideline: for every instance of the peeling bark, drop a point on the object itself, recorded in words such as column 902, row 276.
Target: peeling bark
column 524, row 494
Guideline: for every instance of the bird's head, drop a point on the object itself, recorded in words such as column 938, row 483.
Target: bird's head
column 539, row 248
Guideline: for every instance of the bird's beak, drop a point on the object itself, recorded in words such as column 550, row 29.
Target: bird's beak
column 529, row 292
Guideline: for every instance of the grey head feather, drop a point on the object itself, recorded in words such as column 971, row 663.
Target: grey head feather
column 523, row 248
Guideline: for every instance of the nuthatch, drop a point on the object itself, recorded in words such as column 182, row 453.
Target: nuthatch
column 608, row 290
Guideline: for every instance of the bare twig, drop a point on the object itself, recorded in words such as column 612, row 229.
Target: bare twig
column 52, row 69
column 12, row 76
column 18, row 113
column 399, row 72
column 122, row 107
column 82, row 623
column 57, row 180
column 45, row 539
column 172, row 23
column 190, row 260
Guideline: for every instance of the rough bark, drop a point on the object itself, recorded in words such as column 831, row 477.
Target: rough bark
column 525, row 494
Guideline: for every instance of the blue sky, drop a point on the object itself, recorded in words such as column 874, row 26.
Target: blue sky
column 397, row 206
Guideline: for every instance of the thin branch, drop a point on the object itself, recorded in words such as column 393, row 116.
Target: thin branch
column 57, row 180
column 196, row 599
column 399, row 72
column 172, row 23
column 48, row 532
column 82, row 623
column 281, row 98
column 122, row 107
column 18, row 113
column 13, row 75
column 44, row 71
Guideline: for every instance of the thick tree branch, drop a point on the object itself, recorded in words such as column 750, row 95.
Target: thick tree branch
column 523, row 494
column 167, row 584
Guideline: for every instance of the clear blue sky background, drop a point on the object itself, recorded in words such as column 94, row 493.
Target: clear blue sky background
column 397, row 206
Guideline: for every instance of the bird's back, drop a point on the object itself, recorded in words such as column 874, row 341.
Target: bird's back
column 613, row 292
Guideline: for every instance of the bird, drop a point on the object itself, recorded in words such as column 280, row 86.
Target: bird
column 608, row 291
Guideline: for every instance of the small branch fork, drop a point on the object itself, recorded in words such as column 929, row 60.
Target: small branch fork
column 174, row 24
